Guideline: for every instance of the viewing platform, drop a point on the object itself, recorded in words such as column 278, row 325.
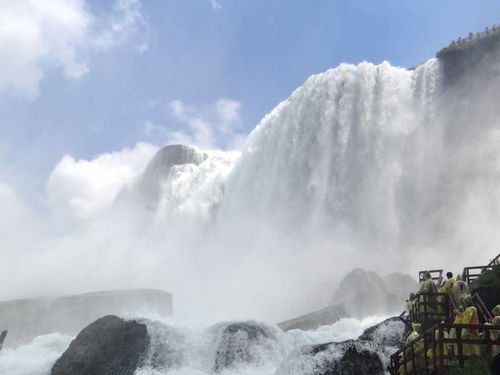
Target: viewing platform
column 445, row 345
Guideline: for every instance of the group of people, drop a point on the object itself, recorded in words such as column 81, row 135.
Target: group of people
column 456, row 289
column 487, row 31
column 433, row 297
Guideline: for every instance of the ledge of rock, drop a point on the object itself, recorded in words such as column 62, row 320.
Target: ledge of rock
column 326, row 316
column 110, row 346
column 351, row 357
column 26, row 319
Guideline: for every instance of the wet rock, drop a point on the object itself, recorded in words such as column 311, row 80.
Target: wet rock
column 391, row 332
column 110, row 346
column 326, row 316
column 350, row 357
column 241, row 342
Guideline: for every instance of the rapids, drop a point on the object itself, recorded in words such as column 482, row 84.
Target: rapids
column 190, row 348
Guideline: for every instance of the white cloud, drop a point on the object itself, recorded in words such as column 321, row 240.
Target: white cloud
column 127, row 22
column 208, row 127
column 79, row 189
column 215, row 4
column 150, row 128
column 37, row 35
column 34, row 34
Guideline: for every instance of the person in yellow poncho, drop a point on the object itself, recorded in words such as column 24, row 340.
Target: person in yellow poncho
column 441, row 300
column 417, row 331
column 428, row 286
column 495, row 335
column 470, row 317
column 496, row 311
column 459, row 317
column 449, row 282
column 459, row 291
column 447, row 348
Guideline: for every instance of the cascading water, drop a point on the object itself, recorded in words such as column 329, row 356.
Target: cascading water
column 360, row 163
column 180, row 349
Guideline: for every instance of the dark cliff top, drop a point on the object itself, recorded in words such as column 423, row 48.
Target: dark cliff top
column 486, row 39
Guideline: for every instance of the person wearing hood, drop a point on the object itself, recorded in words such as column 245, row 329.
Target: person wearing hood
column 470, row 317
column 460, row 291
column 428, row 287
column 417, row 346
column 449, row 282
column 496, row 311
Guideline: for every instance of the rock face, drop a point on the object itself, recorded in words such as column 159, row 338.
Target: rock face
column 239, row 343
column 108, row 346
column 366, row 355
column 161, row 166
column 347, row 358
column 365, row 293
column 326, row 316
column 25, row 319
column 391, row 332
column 477, row 54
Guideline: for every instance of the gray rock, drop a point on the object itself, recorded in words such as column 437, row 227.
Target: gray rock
column 336, row 358
column 237, row 343
column 109, row 346
column 391, row 332
column 326, row 316
column 149, row 185
column 365, row 293
column 27, row 318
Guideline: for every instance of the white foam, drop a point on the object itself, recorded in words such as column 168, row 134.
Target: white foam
column 36, row 358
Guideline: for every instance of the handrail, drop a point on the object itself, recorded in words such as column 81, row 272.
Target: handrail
column 427, row 309
column 481, row 308
column 422, row 357
column 469, row 276
column 494, row 262
column 438, row 278
column 2, row 338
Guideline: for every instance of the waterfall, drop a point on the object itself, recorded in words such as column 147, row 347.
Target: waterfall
column 360, row 165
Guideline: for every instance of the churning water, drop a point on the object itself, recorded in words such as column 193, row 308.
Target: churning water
column 192, row 349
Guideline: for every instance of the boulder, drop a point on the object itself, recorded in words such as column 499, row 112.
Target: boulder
column 365, row 293
column 391, row 332
column 241, row 342
column 349, row 357
column 26, row 319
column 149, row 186
column 110, row 346
column 326, row 316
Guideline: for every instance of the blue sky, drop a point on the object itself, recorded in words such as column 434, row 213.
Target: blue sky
column 108, row 74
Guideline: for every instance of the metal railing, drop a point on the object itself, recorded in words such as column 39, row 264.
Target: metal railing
column 446, row 345
column 431, row 308
column 483, row 312
column 436, row 276
column 471, row 274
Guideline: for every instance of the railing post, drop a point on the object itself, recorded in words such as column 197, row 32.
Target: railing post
column 405, row 360
column 489, row 345
column 441, row 350
column 413, row 362
column 426, row 363
column 425, row 312
column 460, row 347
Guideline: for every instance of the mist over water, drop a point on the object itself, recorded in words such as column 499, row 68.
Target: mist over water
column 368, row 166
column 191, row 348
